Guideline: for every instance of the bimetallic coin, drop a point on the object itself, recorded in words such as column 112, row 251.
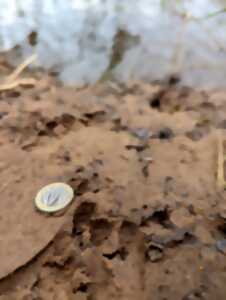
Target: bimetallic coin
column 54, row 197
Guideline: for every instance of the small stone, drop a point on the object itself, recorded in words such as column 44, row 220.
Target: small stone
column 221, row 246
column 141, row 133
column 154, row 255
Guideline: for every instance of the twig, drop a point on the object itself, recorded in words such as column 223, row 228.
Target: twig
column 13, row 85
column 21, row 68
column 221, row 159
column 12, row 81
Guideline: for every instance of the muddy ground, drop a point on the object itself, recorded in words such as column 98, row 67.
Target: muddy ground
column 147, row 221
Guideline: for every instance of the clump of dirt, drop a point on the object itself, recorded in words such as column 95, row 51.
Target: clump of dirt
column 147, row 221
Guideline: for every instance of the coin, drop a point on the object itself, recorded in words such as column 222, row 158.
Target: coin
column 54, row 197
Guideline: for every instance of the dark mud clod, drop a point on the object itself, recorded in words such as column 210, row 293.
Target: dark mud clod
column 165, row 134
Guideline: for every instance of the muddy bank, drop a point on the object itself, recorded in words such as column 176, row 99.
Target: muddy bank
column 147, row 221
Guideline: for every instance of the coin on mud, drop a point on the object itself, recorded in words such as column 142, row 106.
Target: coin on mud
column 54, row 197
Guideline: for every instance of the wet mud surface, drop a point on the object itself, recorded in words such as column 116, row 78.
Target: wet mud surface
column 147, row 221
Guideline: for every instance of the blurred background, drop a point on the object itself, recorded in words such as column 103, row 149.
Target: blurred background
column 85, row 41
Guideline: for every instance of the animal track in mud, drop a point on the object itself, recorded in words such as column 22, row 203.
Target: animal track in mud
column 82, row 216
column 100, row 230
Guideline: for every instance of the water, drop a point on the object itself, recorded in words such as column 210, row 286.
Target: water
column 85, row 40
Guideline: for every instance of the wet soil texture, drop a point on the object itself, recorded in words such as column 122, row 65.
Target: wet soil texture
column 147, row 221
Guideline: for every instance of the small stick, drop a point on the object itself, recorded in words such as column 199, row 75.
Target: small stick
column 221, row 159
column 11, row 85
column 12, row 81
column 21, row 68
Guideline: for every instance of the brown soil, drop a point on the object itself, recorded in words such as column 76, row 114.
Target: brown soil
column 147, row 221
